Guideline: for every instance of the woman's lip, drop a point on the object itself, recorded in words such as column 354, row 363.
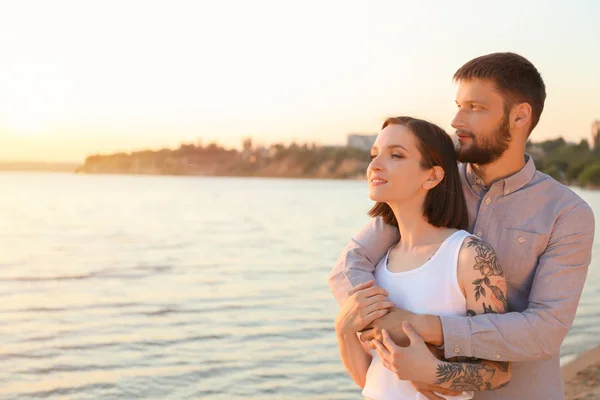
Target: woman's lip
column 379, row 182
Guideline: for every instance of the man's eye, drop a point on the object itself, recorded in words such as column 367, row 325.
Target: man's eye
column 473, row 106
column 373, row 156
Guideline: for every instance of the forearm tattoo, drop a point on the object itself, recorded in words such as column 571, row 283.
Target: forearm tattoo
column 470, row 376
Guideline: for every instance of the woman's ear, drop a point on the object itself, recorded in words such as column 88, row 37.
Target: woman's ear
column 435, row 177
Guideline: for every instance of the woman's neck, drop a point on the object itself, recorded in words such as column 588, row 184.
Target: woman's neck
column 414, row 229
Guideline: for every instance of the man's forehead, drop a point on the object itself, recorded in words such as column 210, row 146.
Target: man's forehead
column 474, row 89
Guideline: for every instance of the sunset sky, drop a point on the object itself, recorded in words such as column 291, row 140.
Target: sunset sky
column 84, row 77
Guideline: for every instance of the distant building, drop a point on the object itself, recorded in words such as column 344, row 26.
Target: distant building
column 596, row 134
column 363, row 142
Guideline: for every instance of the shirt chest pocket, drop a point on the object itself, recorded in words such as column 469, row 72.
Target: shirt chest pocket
column 518, row 252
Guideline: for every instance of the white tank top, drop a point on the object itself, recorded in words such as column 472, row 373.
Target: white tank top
column 431, row 288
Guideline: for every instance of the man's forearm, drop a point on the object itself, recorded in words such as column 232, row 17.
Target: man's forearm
column 358, row 260
column 537, row 332
column 492, row 336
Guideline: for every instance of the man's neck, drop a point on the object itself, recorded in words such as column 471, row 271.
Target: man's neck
column 508, row 164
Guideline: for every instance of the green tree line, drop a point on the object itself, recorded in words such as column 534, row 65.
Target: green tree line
column 570, row 163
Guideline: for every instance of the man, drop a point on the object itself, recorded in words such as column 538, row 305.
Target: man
column 542, row 233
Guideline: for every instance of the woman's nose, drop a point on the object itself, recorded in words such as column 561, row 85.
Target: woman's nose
column 375, row 164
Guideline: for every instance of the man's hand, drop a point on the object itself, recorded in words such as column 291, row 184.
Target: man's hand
column 430, row 391
column 366, row 303
column 392, row 323
column 412, row 363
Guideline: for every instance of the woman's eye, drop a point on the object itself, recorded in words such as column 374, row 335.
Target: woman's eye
column 396, row 156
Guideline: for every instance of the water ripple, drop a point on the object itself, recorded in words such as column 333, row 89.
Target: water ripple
column 113, row 273
column 182, row 288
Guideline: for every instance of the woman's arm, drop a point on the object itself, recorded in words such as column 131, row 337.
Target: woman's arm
column 482, row 281
column 354, row 357
column 365, row 303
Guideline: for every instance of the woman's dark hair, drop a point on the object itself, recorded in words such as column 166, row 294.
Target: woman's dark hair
column 445, row 204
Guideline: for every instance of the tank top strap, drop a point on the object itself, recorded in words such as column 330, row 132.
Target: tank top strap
column 446, row 259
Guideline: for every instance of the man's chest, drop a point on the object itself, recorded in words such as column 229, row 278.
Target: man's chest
column 518, row 235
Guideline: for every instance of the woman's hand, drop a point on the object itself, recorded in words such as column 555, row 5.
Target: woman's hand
column 412, row 363
column 365, row 303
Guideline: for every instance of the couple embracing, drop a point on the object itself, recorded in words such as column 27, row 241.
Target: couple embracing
column 467, row 279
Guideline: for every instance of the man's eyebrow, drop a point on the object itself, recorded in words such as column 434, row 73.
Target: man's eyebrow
column 478, row 101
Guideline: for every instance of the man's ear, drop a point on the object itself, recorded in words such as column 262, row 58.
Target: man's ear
column 521, row 116
column 435, row 177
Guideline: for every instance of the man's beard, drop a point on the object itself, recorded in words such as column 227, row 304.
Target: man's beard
column 490, row 148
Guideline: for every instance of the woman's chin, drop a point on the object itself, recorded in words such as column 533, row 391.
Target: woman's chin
column 376, row 197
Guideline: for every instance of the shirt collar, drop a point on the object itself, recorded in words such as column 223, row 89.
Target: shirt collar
column 474, row 181
column 511, row 184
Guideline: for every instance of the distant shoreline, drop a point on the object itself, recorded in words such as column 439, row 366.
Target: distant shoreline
column 78, row 168
column 572, row 164
column 75, row 169
column 25, row 166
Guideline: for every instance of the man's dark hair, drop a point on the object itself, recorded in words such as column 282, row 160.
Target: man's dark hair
column 515, row 77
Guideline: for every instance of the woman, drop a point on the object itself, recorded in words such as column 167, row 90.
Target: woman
column 436, row 267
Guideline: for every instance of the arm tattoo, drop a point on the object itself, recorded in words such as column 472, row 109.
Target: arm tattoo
column 487, row 264
column 486, row 310
column 471, row 376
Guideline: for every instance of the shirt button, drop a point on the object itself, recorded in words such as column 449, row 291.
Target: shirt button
column 479, row 234
column 506, row 191
column 478, row 181
column 488, row 200
column 457, row 349
column 521, row 239
column 497, row 356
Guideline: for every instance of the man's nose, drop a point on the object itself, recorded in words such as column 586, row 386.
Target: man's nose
column 457, row 121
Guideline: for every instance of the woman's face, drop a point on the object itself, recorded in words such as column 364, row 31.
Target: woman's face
column 395, row 174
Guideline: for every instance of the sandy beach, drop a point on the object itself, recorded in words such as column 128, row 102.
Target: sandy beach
column 582, row 376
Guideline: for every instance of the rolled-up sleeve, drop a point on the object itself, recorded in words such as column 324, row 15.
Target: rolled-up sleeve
column 360, row 257
column 537, row 332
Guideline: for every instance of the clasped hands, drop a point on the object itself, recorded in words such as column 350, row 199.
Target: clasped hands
column 388, row 331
